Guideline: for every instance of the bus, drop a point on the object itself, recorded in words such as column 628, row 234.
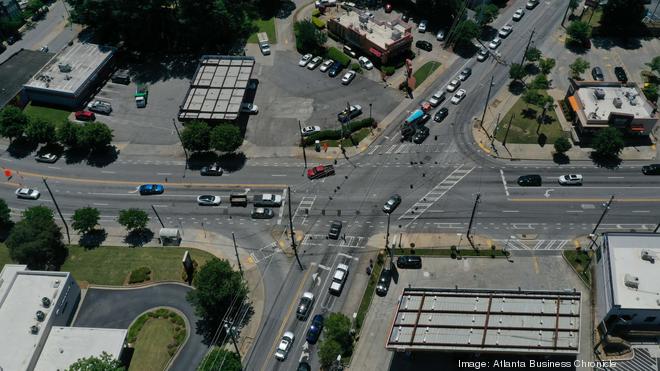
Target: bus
column 410, row 124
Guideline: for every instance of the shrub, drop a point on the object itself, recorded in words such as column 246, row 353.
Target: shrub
column 388, row 70
column 316, row 13
column 356, row 67
column 322, row 135
column 354, row 126
column 338, row 55
column 141, row 274
column 319, row 23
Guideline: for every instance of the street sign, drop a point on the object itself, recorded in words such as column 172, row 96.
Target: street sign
column 7, row 173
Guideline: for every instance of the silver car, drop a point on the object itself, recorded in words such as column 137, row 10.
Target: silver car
column 27, row 193
column 284, row 346
column 209, row 200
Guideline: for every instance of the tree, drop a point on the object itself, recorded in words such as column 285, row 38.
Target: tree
column 464, row 33
column 12, row 122
column 654, row 65
column 105, row 362
column 133, row 219
column 540, row 82
column 546, row 65
column 486, row 13
column 328, row 352
column 67, row 134
column 517, row 71
column 36, row 240
column 95, row 136
column 217, row 285
column 439, row 11
column 579, row 31
column 623, row 17
column 230, row 361
column 651, row 92
column 608, row 142
column 578, row 67
column 86, row 219
column 573, row 4
column 535, row 97
column 309, row 39
column 338, row 328
column 533, row 54
column 39, row 130
column 33, row 7
column 562, row 145
column 195, row 136
column 5, row 214
column 226, row 138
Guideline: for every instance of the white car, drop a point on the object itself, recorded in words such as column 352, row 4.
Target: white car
column 49, row 158
column 422, row 26
column 309, row 130
column 284, row 346
column 570, row 179
column 314, row 63
column 531, row 4
column 348, row 77
column 304, row 60
column 505, row 30
column 27, row 193
column 437, row 98
column 458, row 97
column 483, row 54
column 326, row 65
column 518, row 14
column 365, row 63
column 495, row 43
column 209, row 200
column 453, row 85
column 249, row 108
column 440, row 36
column 338, row 279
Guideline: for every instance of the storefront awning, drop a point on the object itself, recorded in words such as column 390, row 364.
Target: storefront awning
column 375, row 52
column 574, row 103
column 638, row 128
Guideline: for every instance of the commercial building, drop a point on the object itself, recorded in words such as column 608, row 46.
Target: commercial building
column 16, row 71
column 71, row 76
column 381, row 41
column 597, row 105
column 218, row 88
column 9, row 9
column 627, row 279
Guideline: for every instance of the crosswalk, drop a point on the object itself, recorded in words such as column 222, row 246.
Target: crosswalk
column 516, row 244
column 345, row 241
column 263, row 253
column 394, row 149
column 305, row 205
column 642, row 361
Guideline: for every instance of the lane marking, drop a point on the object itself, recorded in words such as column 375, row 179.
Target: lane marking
column 100, row 204
column 279, row 219
column 278, row 175
column 615, row 177
column 641, row 211
column 108, row 172
column 510, row 211
column 163, row 173
column 506, row 188
column 583, row 199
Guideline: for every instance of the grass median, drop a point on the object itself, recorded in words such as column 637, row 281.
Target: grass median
column 156, row 336
column 580, row 261
column 53, row 115
column 525, row 128
column 425, row 71
column 267, row 26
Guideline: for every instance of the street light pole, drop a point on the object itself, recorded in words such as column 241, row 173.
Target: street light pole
column 527, row 47
column 656, row 228
column 370, row 111
column 387, row 238
column 182, row 146
column 293, row 234
column 302, row 143
column 240, row 268
column 593, row 233
column 66, row 227
column 474, row 210
column 483, row 115
column 229, row 327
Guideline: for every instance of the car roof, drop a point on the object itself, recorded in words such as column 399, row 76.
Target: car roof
column 308, row 295
column 342, row 266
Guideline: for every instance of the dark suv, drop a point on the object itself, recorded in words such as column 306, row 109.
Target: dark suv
column 409, row 261
column 335, row 230
column 383, row 282
column 530, row 180
column 424, row 45
column 597, row 74
column 335, row 69
column 620, row 74
column 653, row 169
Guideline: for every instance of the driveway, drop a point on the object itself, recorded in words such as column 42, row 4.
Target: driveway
column 117, row 308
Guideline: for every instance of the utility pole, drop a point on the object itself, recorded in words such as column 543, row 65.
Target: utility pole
column 527, row 47
column 656, row 228
column 497, row 123
column 157, row 216
column 302, row 143
column 507, row 130
column 66, row 227
column 387, row 239
column 293, row 234
column 593, row 233
column 474, row 210
column 182, row 146
column 229, row 327
column 236, row 251
column 483, row 115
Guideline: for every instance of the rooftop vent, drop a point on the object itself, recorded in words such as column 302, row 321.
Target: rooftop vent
column 64, row 67
column 631, row 281
column 34, row 329
column 617, row 102
column 599, row 93
column 40, row 316
column 45, row 302
column 648, row 256
column 396, row 34
column 363, row 18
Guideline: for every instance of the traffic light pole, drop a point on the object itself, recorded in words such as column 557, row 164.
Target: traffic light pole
column 474, row 210
column 293, row 234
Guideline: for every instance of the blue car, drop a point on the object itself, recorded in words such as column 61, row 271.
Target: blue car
column 315, row 329
column 335, row 69
column 151, row 189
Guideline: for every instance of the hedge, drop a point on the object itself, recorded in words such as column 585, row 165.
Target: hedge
column 319, row 23
column 329, row 134
column 139, row 275
column 338, row 55
column 388, row 70
column 316, row 13
column 356, row 67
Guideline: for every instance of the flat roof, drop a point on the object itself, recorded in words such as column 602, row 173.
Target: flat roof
column 486, row 321
column 218, row 87
column 599, row 102
column 71, row 68
column 65, row 345
column 17, row 70
column 381, row 33
column 625, row 258
column 22, row 293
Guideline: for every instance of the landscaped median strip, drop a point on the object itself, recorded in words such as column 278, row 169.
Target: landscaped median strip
column 156, row 337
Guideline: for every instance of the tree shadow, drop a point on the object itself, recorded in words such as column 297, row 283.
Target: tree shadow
column 561, row 158
column 488, row 33
column 93, row 239
column 208, row 327
column 286, row 9
column 75, row 155
column 532, row 69
column 605, row 161
column 139, row 237
column 5, row 229
column 466, row 51
column 151, row 68
column 54, row 148
column 103, row 157
column 575, row 47
column 232, row 161
column 516, row 87
column 529, row 113
column 542, row 140
column 197, row 160
column 21, row 148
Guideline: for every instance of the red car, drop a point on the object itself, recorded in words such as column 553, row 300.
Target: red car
column 85, row 116
column 320, row 171
column 388, row 8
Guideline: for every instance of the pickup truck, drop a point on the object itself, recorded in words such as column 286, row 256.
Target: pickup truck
column 141, row 95
column 338, row 279
column 267, row 200
column 320, row 171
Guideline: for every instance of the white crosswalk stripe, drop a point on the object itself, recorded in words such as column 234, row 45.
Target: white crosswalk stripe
column 517, row 244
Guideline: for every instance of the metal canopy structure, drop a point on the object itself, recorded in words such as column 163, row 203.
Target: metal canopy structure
column 487, row 321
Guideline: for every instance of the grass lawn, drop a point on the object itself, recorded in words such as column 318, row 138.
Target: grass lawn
column 53, row 115
column 580, row 260
column 267, row 26
column 595, row 19
column 357, row 137
column 524, row 125
column 423, row 72
column 4, row 256
column 151, row 345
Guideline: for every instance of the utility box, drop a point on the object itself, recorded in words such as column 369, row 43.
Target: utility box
column 169, row 236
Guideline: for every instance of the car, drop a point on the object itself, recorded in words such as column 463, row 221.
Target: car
column 440, row 35
column 121, row 77
column 315, row 329
column 11, row 40
column 27, row 193
column 421, row 27
column 262, row 213
column 530, row 180
column 409, row 261
column 495, row 43
column 44, row 49
column 348, row 77
column 348, row 50
column 304, row 60
column 453, row 85
column 305, row 306
column 365, row 63
column 465, row 74
column 420, row 135
column 85, row 116
column 151, row 189
column 49, row 158
column 383, row 282
column 483, row 54
column 458, row 97
column 100, row 107
column 531, row 4
column 597, row 74
column 391, row 204
column 320, row 171
column 209, row 200
column 570, row 179
column 388, row 8
column 335, row 69
column 426, row 106
column 505, row 30
column 620, row 74
column 424, row 119
column 314, row 63
column 653, row 169
column 518, row 14
column 304, row 366
column 213, row 170
column 424, row 45
column 441, row 114
column 309, row 130
column 350, row 113
column 437, row 98
column 335, row 230
column 338, row 279
column 284, row 346
column 370, row 15
column 325, row 65
column 249, row 108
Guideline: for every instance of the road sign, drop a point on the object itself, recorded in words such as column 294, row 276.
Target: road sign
column 7, row 172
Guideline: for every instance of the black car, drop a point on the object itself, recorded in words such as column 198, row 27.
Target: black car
column 620, row 74
column 11, row 40
column 653, row 169
column 597, row 74
column 305, row 306
column 530, row 181
column 391, row 204
column 383, row 282
column 409, row 261
column 335, row 69
column 421, row 134
column 213, row 170
column 304, row 366
column 335, row 229
column 424, row 45
column 441, row 114
column 315, row 329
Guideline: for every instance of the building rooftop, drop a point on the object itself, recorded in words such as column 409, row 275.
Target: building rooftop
column 218, row 87
column 599, row 102
column 71, row 68
column 65, row 345
column 17, row 70
column 634, row 279
column 487, row 321
column 381, row 33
